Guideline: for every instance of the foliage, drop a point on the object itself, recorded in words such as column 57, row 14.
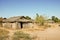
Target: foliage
column 1, row 21
column 37, row 18
column 55, row 19
column 27, row 17
column 5, row 18
column 40, row 19
column 21, row 36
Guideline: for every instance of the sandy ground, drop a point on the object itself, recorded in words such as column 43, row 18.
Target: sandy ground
column 48, row 34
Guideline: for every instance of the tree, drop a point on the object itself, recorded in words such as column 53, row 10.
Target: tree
column 1, row 21
column 5, row 18
column 40, row 19
column 27, row 17
column 37, row 18
column 55, row 19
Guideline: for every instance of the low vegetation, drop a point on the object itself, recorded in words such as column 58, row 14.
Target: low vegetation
column 3, row 34
column 18, row 35
column 21, row 36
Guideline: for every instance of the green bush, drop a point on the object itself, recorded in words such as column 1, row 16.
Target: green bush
column 21, row 36
column 40, row 19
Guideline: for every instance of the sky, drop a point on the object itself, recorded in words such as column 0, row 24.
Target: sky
column 47, row 8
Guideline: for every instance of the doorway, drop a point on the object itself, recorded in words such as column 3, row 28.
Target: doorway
column 21, row 25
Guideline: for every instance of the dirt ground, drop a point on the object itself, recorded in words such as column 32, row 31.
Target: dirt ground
column 41, row 34
column 47, row 34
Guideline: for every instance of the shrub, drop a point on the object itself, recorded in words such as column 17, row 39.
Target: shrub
column 21, row 36
column 47, row 26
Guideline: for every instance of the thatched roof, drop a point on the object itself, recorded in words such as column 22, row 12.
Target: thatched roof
column 17, row 19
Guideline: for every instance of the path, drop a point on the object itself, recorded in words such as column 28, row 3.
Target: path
column 48, row 34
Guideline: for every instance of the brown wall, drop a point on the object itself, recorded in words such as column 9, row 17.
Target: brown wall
column 17, row 25
column 9, row 25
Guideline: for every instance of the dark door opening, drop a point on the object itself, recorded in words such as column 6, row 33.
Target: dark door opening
column 21, row 25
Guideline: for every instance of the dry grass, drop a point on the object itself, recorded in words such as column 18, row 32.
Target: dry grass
column 3, row 34
column 38, row 33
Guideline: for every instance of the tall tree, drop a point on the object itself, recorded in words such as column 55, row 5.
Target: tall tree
column 55, row 19
column 37, row 18
column 40, row 19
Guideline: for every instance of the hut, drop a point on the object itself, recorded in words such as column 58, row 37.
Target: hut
column 17, row 22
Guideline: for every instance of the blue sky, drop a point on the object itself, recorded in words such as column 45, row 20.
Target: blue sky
column 48, row 8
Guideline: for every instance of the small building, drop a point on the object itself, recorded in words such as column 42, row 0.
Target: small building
column 49, row 21
column 17, row 22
